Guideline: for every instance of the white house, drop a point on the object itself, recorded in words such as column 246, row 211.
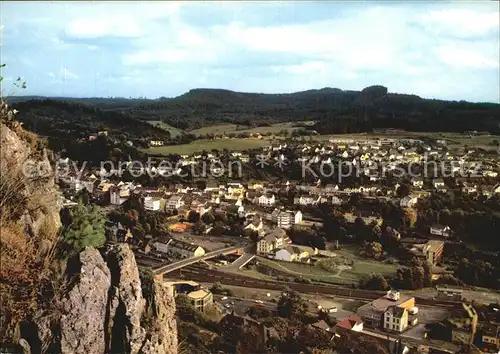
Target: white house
column 306, row 200
column 438, row 183
column 175, row 202
column 156, row 143
column 469, row 188
column 336, row 200
column 440, row 230
column 408, row 202
column 265, row 200
column 418, row 182
column 396, row 319
column 117, row 195
column 151, row 203
column 291, row 253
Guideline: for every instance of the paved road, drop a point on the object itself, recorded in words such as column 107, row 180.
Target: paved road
column 241, row 261
column 240, row 305
column 185, row 262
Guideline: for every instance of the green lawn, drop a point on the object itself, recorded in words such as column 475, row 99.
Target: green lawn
column 173, row 131
column 208, row 145
column 334, row 270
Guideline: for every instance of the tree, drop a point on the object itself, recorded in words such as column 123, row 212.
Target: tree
column 355, row 343
column 193, row 217
column 258, row 312
column 410, row 216
column 372, row 250
column 403, row 190
column 86, row 228
column 84, row 196
column 208, row 218
column 374, row 282
column 138, row 232
column 291, row 305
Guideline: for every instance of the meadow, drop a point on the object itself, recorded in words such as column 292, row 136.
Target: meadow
column 173, row 131
column 208, row 145
column 233, row 128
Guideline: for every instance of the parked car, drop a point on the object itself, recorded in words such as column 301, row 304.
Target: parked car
column 224, row 298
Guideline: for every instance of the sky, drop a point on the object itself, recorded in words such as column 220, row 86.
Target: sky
column 445, row 50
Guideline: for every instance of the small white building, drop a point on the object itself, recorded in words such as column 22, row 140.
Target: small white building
column 306, row 200
column 396, row 319
column 265, row 200
column 408, row 201
column 438, row 183
column 152, row 204
column 440, row 230
column 175, row 202
column 417, row 182
column 118, row 196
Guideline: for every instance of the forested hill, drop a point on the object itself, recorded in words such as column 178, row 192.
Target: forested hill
column 336, row 110
column 68, row 119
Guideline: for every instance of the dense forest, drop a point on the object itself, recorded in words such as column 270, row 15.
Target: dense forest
column 335, row 110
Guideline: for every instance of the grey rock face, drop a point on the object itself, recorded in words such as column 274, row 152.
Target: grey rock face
column 82, row 323
column 103, row 310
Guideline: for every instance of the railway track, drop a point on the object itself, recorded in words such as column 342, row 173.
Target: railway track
column 201, row 274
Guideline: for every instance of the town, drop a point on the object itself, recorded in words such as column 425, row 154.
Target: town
column 378, row 249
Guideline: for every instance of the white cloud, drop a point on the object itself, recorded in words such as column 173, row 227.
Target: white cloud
column 119, row 26
column 312, row 67
column 461, row 22
column 465, row 58
column 63, row 74
column 252, row 48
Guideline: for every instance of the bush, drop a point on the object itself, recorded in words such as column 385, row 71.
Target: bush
column 86, row 228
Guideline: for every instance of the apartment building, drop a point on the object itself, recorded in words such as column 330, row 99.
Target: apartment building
column 286, row 219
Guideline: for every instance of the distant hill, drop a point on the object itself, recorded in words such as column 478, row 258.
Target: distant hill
column 336, row 110
column 70, row 119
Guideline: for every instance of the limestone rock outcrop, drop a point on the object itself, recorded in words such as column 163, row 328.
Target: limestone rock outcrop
column 103, row 309
column 35, row 177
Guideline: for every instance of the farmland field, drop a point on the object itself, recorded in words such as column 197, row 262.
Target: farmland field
column 208, row 145
column 233, row 128
column 173, row 131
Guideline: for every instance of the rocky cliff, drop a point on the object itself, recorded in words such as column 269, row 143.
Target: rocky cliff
column 34, row 179
column 104, row 310
column 92, row 302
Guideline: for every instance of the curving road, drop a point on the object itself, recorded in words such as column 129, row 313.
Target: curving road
column 166, row 268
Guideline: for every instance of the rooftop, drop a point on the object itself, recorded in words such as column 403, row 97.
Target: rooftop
column 198, row 294
column 383, row 303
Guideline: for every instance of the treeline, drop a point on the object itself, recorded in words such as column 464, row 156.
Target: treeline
column 337, row 111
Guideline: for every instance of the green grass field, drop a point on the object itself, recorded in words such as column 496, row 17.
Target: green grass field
column 173, row 131
column 333, row 270
column 233, row 128
column 208, row 145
